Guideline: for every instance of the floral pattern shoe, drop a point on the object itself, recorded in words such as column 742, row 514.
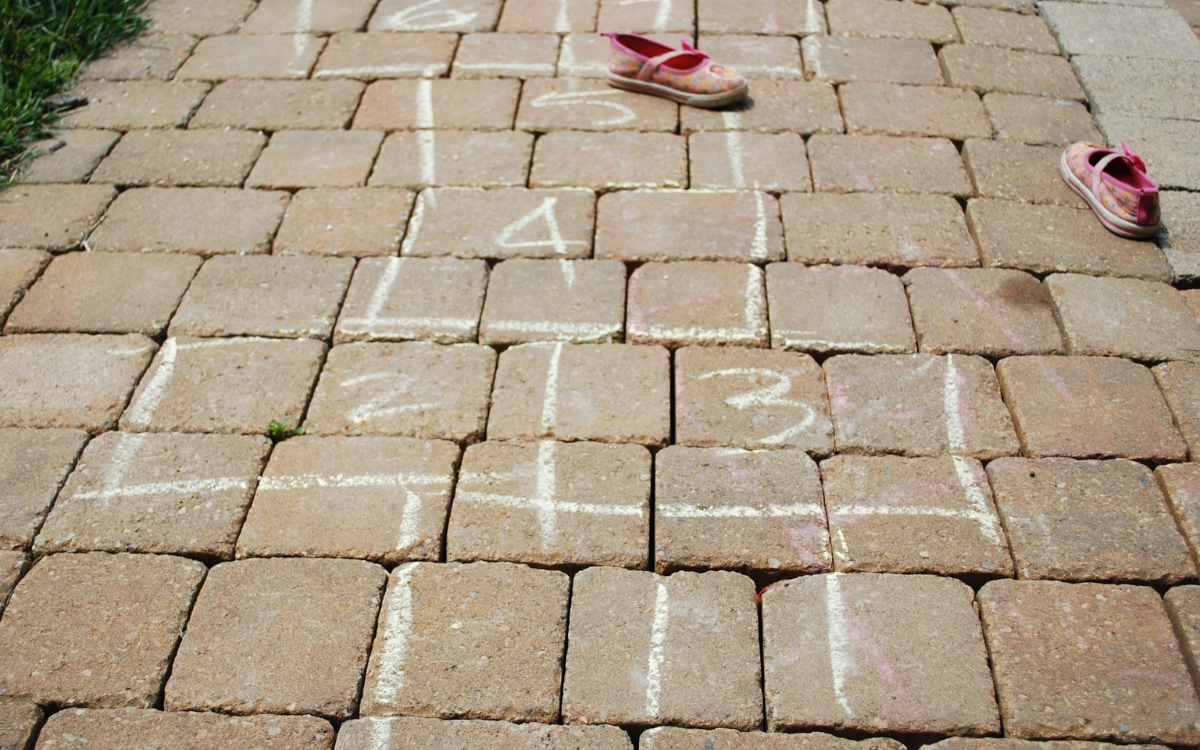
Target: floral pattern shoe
column 1115, row 184
column 683, row 75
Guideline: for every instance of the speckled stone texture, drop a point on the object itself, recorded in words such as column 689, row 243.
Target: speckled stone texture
column 730, row 509
column 475, row 641
column 96, row 630
column 120, row 729
column 369, row 498
column 1087, row 660
column 33, row 466
column 280, row 636
column 874, row 653
column 399, row 733
column 678, row 738
column 684, row 650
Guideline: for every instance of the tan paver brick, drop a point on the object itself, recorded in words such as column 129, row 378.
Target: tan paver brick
column 69, row 380
column 891, row 20
column 19, row 724
column 206, row 221
column 877, row 229
column 545, row 300
column 759, row 57
column 316, row 158
column 414, row 389
column 1011, row 743
column 872, row 163
column 109, row 729
column 773, row 106
column 503, row 223
column 743, row 510
column 692, row 302
column 875, row 653
column 1180, row 384
column 181, row 158
column 656, row 17
column 475, row 641
column 1014, row 6
column 454, row 157
column 445, row 15
column 33, row 466
column 304, row 625
column 152, row 56
column 607, row 392
column 398, row 299
column 68, row 156
column 438, row 103
column 654, row 225
column 1039, row 121
column 129, row 105
column 1015, row 72
column 1045, row 239
column 763, row 17
column 396, row 733
column 356, row 222
column 610, row 160
column 1183, row 605
column 840, row 59
column 889, row 109
column 185, row 17
column 766, row 161
column 988, row 311
column 661, row 661
column 95, row 630
column 679, row 738
column 303, row 16
column 371, row 498
column 386, row 55
column 995, row 28
column 751, row 398
column 549, row 15
column 918, row 405
column 889, row 514
column 263, row 295
column 586, row 55
column 1064, row 406
column 51, row 217
column 1145, row 320
column 219, row 58
column 170, row 494
column 105, row 293
column 19, row 267
column 1180, row 484
column 12, row 565
column 279, row 105
column 549, row 104
column 1088, row 521
column 1013, row 171
column 552, row 505
column 236, row 385
column 838, row 309
column 1087, row 660
column 506, row 56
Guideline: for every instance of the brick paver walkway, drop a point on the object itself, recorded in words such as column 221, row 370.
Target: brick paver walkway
column 833, row 421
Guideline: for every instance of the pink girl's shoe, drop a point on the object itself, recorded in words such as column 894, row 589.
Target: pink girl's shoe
column 1115, row 185
column 683, row 75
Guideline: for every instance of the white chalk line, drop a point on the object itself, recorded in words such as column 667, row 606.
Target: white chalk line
column 812, row 22
column 309, row 481
column 150, row 397
column 545, row 211
column 426, row 142
column 380, row 71
column 155, row 489
column 733, row 147
column 532, row 67
column 988, row 523
column 839, row 639
column 771, row 395
column 955, row 434
column 562, row 20
column 536, row 503
column 381, row 733
column 364, row 325
column 547, row 485
column 687, row 510
column 581, row 331
column 658, row 640
column 408, row 19
column 383, row 289
column 804, row 340
column 550, row 392
column 418, row 217
column 389, row 679
column 624, row 115
column 691, row 333
column 755, row 312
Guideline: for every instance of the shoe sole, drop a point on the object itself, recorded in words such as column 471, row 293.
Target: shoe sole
column 704, row 101
column 1111, row 221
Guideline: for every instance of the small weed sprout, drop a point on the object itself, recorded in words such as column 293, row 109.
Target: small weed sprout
column 280, row 431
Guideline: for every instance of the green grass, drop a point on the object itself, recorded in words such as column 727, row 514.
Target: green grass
column 43, row 44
